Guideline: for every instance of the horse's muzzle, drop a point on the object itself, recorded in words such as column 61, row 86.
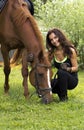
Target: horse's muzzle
column 46, row 100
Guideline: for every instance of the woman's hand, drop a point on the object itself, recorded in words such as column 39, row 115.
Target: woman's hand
column 66, row 67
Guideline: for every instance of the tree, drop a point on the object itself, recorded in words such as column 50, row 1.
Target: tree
column 64, row 14
column 44, row 1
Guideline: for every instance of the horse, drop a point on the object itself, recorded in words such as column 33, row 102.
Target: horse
column 19, row 30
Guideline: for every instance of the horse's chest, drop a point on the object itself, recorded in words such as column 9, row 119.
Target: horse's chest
column 11, row 43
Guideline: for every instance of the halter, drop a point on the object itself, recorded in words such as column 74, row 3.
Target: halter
column 38, row 88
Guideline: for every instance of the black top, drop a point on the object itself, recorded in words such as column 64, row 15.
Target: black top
column 66, row 60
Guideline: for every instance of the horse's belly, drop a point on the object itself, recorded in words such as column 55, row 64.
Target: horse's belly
column 11, row 43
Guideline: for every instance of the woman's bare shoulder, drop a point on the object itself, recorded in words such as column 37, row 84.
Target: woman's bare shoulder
column 73, row 50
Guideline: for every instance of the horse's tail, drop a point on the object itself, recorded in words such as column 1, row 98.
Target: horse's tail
column 16, row 58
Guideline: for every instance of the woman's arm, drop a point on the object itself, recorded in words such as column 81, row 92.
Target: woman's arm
column 73, row 59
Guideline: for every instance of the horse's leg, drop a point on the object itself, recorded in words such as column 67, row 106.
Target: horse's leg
column 7, row 68
column 25, row 73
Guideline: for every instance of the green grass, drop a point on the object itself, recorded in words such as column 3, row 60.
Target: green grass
column 16, row 113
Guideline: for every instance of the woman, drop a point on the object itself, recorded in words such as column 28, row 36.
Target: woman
column 64, row 56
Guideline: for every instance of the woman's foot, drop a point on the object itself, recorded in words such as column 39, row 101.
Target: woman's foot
column 63, row 98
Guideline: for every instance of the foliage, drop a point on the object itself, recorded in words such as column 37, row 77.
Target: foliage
column 43, row 1
column 64, row 14
column 16, row 113
column 81, row 55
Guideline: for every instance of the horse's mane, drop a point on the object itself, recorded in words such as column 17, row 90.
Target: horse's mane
column 21, row 14
column 19, row 17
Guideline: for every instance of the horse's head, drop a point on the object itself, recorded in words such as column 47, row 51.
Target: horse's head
column 40, row 77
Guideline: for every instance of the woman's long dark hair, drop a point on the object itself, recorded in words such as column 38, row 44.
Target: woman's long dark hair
column 65, row 43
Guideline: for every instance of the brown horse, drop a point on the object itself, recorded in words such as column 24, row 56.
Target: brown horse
column 19, row 30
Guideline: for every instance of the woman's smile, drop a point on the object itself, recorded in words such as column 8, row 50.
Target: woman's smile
column 54, row 39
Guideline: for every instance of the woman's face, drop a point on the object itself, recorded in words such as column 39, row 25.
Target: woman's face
column 54, row 40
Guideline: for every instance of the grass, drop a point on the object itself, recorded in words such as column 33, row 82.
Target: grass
column 16, row 113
